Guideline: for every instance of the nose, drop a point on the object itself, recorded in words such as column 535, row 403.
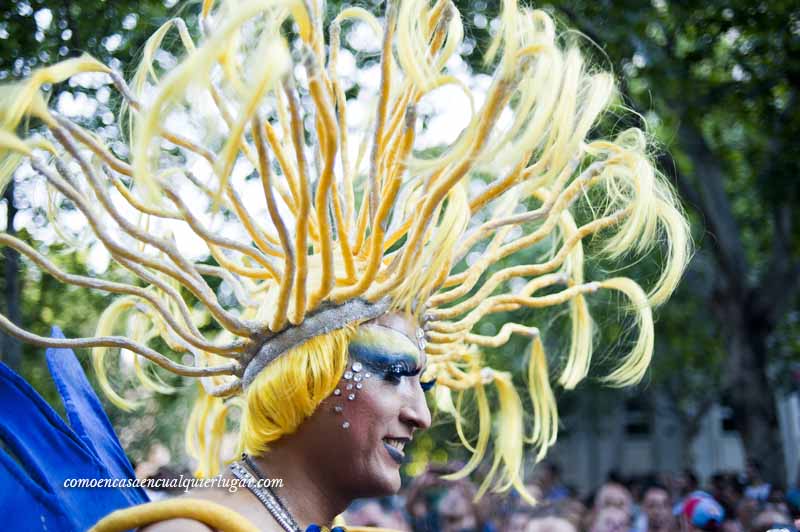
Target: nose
column 415, row 412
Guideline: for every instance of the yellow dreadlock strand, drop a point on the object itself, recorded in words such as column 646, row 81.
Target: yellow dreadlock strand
column 304, row 217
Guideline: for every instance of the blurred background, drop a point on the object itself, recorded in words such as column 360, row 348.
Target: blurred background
column 715, row 85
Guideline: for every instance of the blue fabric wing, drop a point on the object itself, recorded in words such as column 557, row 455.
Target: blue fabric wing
column 24, row 504
column 87, row 418
column 39, row 451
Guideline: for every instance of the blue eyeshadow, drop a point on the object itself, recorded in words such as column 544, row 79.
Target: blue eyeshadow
column 381, row 359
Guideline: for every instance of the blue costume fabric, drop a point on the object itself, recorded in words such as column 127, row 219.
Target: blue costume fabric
column 39, row 451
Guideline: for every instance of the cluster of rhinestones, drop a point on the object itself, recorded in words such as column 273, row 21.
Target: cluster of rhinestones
column 421, row 341
column 354, row 381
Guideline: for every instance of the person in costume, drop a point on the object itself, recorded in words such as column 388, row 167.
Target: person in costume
column 344, row 272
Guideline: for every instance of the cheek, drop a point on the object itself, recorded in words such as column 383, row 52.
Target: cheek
column 371, row 411
column 362, row 406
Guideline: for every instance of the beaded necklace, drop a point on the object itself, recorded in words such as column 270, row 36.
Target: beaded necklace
column 250, row 474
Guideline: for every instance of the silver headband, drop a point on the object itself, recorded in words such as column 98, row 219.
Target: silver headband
column 325, row 320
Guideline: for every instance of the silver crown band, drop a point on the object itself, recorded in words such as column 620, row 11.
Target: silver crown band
column 324, row 321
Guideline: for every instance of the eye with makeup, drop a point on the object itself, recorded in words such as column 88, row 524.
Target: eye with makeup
column 387, row 354
column 397, row 370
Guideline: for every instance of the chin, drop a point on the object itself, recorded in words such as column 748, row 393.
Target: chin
column 381, row 482
column 389, row 485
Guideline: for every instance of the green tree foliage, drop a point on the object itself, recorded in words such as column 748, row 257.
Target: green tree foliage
column 717, row 85
column 718, row 82
column 35, row 32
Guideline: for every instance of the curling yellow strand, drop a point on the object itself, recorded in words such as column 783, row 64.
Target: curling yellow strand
column 457, row 418
column 484, row 432
column 531, row 141
column 187, row 274
column 383, row 101
column 468, row 278
column 503, row 336
column 538, row 269
column 287, row 278
column 341, row 111
column 634, row 365
column 105, row 326
column 379, row 225
column 343, row 240
column 545, row 413
column 497, row 95
column 509, row 436
column 324, row 185
column 285, row 165
column 301, row 227
column 152, row 385
column 580, row 346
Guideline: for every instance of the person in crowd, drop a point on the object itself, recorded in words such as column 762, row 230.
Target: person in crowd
column 699, row 512
column 684, row 483
column 550, row 524
column 544, row 517
column 772, row 519
column 459, row 512
column 727, row 489
column 731, row 524
column 380, row 513
column 610, row 519
column 548, row 478
column 574, row 511
column 657, row 508
column 793, row 501
column 755, row 486
column 746, row 511
column 614, row 495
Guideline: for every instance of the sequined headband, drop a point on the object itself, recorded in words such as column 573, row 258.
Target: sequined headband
column 327, row 319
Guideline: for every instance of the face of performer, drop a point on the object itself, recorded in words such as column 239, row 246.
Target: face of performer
column 388, row 406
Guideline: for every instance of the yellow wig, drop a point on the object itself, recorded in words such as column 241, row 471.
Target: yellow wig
column 253, row 129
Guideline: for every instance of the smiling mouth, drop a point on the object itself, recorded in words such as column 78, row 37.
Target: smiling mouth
column 394, row 446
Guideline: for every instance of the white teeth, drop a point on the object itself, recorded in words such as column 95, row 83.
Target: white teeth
column 397, row 444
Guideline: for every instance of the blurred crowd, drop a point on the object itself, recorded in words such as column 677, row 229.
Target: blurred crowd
column 728, row 501
column 677, row 502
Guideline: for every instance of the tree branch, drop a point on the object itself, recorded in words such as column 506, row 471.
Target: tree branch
column 714, row 205
column 706, row 192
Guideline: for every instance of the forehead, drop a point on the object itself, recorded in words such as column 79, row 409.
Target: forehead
column 372, row 339
column 613, row 491
column 402, row 323
column 656, row 494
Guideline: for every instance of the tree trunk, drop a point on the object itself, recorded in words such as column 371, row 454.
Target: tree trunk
column 10, row 348
column 747, row 391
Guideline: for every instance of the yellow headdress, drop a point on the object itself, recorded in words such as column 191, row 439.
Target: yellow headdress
column 341, row 221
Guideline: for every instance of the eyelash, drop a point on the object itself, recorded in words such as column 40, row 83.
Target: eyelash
column 397, row 371
column 426, row 386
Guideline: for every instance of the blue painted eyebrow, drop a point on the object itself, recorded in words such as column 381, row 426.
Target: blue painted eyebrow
column 379, row 358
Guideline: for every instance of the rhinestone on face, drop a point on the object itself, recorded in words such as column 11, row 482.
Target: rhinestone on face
column 348, row 375
column 367, row 375
column 359, row 385
column 349, row 386
column 351, row 397
column 346, row 425
column 337, row 391
column 357, row 378
column 357, row 366
column 338, row 409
